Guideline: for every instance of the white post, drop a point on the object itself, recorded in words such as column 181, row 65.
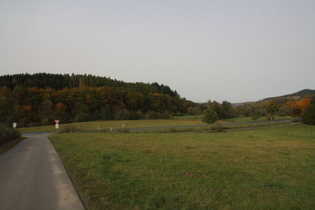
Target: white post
column 57, row 124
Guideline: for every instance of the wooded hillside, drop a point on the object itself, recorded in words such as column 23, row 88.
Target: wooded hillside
column 59, row 81
column 41, row 98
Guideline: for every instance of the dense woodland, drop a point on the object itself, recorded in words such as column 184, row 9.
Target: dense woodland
column 38, row 99
column 41, row 98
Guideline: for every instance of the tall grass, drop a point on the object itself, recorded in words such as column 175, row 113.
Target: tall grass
column 272, row 168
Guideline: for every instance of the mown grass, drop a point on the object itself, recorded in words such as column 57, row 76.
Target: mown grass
column 272, row 168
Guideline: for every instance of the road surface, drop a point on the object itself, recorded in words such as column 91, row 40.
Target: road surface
column 33, row 177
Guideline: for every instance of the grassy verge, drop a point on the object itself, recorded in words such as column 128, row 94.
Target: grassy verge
column 10, row 145
column 272, row 168
column 47, row 128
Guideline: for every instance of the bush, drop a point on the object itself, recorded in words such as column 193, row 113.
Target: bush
column 136, row 115
column 69, row 129
column 45, row 121
column 309, row 114
column 82, row 117
column 152, row 115
column 155, row 115
column 122, row 114
column 107, row 113
column 167, row 115
column 209, row 116
column 8, row 134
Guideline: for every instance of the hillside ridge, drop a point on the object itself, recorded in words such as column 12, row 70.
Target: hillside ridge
column 301, row 93
column 61, row 81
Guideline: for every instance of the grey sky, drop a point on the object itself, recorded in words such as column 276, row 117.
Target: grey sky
column 241, row 50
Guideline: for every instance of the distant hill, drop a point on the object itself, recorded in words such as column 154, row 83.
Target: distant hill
column 305, row 93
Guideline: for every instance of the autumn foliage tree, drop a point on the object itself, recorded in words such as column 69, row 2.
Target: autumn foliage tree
column 60, row 110
column 297, row 108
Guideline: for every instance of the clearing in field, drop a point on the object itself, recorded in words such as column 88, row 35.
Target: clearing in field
column 271, row 168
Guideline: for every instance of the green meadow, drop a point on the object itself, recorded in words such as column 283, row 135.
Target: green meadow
column 191, row 120
column 118, row 124
column 268, row 168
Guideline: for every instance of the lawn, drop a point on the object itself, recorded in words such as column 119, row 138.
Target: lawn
column 270, row 168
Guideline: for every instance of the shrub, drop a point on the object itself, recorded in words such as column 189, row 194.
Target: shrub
column 167, row 115
column 107, row 113
column 8, row 134
column 136, row 115
column 69, row 129
column 309, row 114
column 122, row 114
column 156, row 115
column 82, row 117
column 152, row 115
column 45, row 121
column 209, row 116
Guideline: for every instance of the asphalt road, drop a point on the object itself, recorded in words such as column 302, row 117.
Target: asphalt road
column 33, row 177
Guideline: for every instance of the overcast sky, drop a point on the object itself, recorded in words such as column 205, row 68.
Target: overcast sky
column 234, row 50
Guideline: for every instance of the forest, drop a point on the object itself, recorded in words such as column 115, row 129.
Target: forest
column 41, row 98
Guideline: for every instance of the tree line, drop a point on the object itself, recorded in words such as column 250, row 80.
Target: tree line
column 34, row 105
column 61, row 81
column 267, row 109
column 40, row 98
column 270, row 108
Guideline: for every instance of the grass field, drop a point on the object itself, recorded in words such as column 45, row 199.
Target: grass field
column 270, row 168
column 119, row 124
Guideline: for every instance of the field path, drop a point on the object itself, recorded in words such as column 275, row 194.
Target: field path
column 33, row 177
